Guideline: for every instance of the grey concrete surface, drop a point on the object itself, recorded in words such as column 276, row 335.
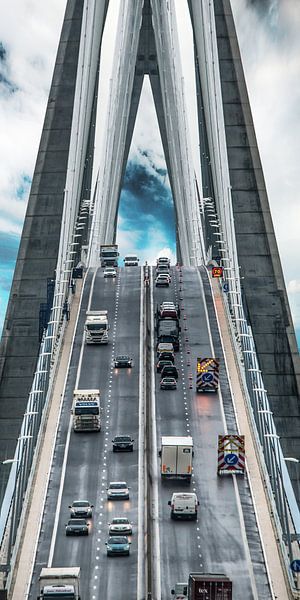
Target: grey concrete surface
column 40, row 238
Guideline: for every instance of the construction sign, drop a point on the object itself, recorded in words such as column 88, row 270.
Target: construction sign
column 207, row 377
column 217, row 271
column 231, row 454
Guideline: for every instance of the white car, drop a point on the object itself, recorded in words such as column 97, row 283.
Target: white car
column 110, row 272
column 118, row 490
column 163, row 279
column 120, row 525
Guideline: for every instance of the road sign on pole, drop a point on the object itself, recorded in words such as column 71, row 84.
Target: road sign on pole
column 295, row 565
column 231, row 454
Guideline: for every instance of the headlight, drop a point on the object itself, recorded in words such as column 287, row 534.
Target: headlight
column 126, row 547
column 108, row 547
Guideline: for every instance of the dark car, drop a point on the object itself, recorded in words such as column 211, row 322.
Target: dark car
column 122, row 443
column 168, row 383
column 169, row 371
column 81, row 508
column 123, row 361
column 118, row 545
column 77, row 527
column 169, row 356
column 163, row 363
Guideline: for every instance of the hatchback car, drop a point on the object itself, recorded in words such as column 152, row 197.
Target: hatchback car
column 77, row 527
column 169, row 371
column 120, row 526
column 123, row 361
column 110, row 272
column 122, row 443
column 81, row 508
column 168, row 383
column 118, row 545
column 163, row 363
column 118, row 490
column 162, row 280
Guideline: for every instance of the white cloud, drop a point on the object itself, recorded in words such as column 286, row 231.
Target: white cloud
column 29, row 32
column 294, row 286
column 272, row 69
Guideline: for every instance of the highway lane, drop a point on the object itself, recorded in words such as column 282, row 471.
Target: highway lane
column 216, row 542
column 91, row 464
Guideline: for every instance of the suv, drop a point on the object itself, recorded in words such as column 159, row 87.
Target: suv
column 184, row 505
column 162, row 280
column 110, row 272
column 122, row 443
column 169, row 371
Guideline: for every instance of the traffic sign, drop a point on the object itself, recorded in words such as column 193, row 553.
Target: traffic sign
column 207, row 377
column 231, row 459
column 217, row 271
column 225, row 287
column 231, row 454
column 295, row 566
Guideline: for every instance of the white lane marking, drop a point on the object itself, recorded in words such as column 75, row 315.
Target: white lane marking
column 155, row 511
column 236, row 491
column 141, row 474
column 64, row 465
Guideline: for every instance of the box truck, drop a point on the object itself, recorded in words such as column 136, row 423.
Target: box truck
column 59, row 583
column 176, row 457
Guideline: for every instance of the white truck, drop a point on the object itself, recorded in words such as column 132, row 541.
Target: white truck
column 131, row 260
column 96, row 327
column 86, row 410
column 59, row 583
column 109, row 255
column 176, row 457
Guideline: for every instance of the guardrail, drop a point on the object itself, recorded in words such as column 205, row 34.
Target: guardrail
column 22, row 463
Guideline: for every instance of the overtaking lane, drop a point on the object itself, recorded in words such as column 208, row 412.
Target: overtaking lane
column 90, row 462
column 90, row 457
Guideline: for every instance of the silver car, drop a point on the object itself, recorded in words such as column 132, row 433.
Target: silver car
column 120, row 526
column 118, row 490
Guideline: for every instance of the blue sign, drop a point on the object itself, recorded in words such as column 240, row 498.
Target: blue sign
column 207, row 377
column 225, row 287
column 231, row 459
column 295, row 566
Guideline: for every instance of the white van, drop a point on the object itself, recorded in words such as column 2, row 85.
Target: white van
column 184, row 505
column 131, row 260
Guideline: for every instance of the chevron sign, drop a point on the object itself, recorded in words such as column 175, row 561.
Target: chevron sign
column 231, row 454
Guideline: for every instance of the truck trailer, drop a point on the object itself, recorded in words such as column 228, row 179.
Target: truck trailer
column 176, row 457
column 204, row 586
column 168, row 332
column 109, row 255
column 86, row 410
column 59, row 583
column 96, row 327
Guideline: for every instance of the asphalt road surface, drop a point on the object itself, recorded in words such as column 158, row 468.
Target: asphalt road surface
column 84, row 463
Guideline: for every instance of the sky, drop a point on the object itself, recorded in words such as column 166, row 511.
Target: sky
column 270, row 45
